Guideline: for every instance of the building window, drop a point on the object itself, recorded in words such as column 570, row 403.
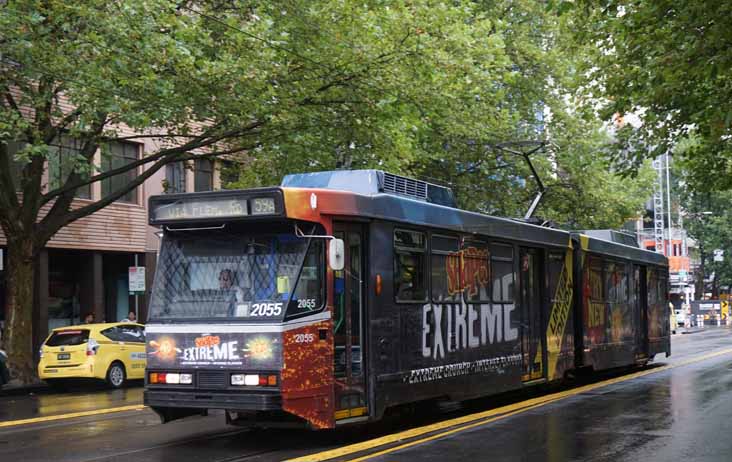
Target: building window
column 203, row 175
column 119, row 154
column 229, row 172
column 64, row 156
column 175, row 178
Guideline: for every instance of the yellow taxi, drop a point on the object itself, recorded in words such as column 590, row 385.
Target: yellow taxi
column 114, row 352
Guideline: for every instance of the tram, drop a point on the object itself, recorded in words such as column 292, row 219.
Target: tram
column 338, row 295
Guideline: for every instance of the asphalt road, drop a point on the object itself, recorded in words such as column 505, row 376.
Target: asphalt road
column 679, row 410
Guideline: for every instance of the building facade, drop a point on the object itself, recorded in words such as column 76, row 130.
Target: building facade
column 678, row 248
column 85, row 267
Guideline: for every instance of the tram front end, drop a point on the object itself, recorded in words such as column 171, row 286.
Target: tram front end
column 238, row 316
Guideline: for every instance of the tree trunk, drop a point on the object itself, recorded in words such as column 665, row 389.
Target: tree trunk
column 19, row 310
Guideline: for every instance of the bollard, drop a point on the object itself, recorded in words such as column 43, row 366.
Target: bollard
column 699, row 320
column 719, row 320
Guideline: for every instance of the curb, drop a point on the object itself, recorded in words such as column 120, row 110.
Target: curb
column 695, row 331
column 23, row 390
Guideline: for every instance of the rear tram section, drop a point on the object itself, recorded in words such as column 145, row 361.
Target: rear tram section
column 338, row 295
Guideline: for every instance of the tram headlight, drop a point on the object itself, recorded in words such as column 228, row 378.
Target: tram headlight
column 186, row 379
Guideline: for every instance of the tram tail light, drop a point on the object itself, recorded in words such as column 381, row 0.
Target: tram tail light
column 254, row 380
column 170, row 378
column 377, row 286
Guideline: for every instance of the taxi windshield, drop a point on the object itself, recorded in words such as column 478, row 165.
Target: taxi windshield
column 258, row 276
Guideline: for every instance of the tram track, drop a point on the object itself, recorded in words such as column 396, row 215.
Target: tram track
column 171, row 444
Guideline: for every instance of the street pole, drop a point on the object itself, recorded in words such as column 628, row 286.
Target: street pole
column 137, row 314
column 668, row 201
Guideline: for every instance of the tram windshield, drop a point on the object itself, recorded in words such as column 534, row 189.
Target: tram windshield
column 261, row 276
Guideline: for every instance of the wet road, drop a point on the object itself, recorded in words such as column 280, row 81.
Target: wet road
column 678, row 413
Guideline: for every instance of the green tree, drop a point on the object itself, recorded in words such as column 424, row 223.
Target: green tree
column 299, row 83
column 706, row 217
column 523, row 91
column 669, row 63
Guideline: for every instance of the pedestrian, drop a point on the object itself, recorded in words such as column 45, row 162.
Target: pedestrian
column 89, row 319
column 131, row 317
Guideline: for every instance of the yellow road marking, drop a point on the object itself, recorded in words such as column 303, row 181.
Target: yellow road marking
column 482, row 418
column 12, row 423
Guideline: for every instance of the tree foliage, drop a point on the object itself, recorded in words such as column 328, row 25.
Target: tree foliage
column 669, row 63
column 506, row 73
column 706, row 216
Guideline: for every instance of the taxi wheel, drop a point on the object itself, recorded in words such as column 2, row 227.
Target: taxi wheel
column 116, row 375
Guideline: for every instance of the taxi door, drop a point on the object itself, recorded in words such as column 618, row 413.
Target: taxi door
column 133, row 350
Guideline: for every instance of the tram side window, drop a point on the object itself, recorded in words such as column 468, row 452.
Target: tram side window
column 595, row 282
column 502, row 271
column 556, row 263
column 445, row 261
column 662, row 289
column 475, row 274
column 652, row 285
column 410, row 280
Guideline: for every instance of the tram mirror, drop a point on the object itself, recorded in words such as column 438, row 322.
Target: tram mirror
column 336, row 258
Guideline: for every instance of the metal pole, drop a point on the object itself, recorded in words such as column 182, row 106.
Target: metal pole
column 137, row 311
column 668, row 201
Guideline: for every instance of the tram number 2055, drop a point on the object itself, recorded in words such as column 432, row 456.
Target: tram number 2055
column 266, row 309
column 304, row 338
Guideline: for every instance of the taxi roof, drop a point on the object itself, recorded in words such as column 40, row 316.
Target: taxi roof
column 96, row 326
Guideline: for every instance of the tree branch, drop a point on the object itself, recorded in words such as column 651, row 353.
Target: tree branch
column 202, row 141
column 8, row 195
column 64, row 200
column 50, row 225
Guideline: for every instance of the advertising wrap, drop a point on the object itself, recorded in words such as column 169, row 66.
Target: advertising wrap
column 256, row 351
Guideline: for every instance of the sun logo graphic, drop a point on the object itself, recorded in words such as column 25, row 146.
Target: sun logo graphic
column 259, row 348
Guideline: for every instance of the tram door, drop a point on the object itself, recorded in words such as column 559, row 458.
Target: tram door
column 348, row 325
column 531, row 314
column 641, row 290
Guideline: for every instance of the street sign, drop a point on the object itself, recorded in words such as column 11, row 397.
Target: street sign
column 136, row 280
column 718, row 255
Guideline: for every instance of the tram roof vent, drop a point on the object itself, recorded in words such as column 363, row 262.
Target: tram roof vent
column 369, row 182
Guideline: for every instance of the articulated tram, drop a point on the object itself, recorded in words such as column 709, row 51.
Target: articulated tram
column 339, row 295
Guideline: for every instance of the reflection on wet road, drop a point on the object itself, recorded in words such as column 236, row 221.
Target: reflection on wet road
column 83, row 399
column 674, row 414
column 679, row 414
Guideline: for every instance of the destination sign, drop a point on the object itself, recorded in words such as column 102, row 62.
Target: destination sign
column 214, row 207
